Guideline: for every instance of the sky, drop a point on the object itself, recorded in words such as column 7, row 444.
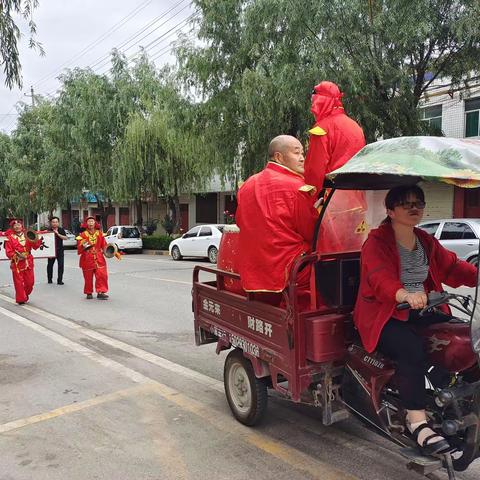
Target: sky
column 81, row 33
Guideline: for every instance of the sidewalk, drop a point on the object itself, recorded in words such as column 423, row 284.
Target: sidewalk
column 154, row 252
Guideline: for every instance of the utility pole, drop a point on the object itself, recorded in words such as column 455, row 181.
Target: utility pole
column 31, row 95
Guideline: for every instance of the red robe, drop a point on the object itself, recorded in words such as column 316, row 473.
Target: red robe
column 276, row 217
column 93, row 262
column 334, row 140
column 380, row 279
column 22, row 268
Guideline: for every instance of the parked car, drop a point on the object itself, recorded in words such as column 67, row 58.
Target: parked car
column 460, row 235
column 71, row 242
column 125, row 237
column 201, row 241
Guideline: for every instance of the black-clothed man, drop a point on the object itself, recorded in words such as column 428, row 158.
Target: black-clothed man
column 60, row 236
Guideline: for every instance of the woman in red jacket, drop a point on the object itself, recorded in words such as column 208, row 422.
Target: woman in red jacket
column 401, row 263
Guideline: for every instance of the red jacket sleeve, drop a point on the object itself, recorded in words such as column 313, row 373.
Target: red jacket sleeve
column 102, row 243
column 380, row 271
column 305, row 215
column 80, row 248
column 453, row 271
column 316, row 162
column 9, row 248
column 36, row 245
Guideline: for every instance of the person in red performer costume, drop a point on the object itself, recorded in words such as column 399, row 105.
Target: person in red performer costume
column 334, row 140
column 90, row 246
column 18, row 249
column 276, row 216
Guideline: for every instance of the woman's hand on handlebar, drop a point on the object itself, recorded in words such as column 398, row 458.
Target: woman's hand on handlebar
column 416, row 300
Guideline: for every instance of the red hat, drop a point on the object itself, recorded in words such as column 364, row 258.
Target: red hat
column 13, row 221
column 84, row 224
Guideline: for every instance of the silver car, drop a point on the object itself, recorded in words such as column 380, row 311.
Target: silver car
column 460, row 235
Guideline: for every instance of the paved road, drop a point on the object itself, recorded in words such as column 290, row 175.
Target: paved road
column 117, row 390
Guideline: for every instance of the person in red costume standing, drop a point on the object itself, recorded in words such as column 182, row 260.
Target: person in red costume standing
column 334, row 140
column 18, row 249
column 90, row 246
column 276, row 216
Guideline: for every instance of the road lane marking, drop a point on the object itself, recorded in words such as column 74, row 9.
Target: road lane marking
column 135, row 351
column 87, row 352
column 290, row 455
column 136, row 275
column 76, row 407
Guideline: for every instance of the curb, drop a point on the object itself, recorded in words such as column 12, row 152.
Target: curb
column 155, row 252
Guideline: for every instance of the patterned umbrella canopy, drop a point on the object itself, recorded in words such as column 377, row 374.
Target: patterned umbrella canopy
column 409, row 160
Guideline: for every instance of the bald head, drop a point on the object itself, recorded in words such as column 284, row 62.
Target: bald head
column 279, row 144
column 287, row 151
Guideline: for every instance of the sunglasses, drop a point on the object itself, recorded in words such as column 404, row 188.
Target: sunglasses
column 409, row 205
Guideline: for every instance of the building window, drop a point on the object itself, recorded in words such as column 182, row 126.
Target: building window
column 432, row 115
column 472, row 109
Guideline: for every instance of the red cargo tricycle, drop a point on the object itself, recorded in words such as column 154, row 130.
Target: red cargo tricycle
column 314, row 355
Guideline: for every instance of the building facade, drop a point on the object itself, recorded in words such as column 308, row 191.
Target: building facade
column 195, row 209
column 456, row 112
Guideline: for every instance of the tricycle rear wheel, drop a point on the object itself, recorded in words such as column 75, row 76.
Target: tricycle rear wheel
column 246, row 394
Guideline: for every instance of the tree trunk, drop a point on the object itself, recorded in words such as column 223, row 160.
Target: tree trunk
column 174, row 206
column 70, row 215
column 139, row 214
column 103, row 213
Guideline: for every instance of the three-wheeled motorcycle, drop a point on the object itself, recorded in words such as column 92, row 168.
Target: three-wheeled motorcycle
column 313, row 353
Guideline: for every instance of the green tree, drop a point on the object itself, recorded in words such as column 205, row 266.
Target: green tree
column 5, row 158
column 10, row 34
column 27, row 157
column 86, row 113
column 41, row 175
column 158, row 155
column 259, row 60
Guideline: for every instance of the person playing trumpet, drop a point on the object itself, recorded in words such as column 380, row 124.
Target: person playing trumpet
column 91, row 245
column 18, row 248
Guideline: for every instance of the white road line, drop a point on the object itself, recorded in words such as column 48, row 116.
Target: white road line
column 137, row 352
column 137, row 275
column 87, row 352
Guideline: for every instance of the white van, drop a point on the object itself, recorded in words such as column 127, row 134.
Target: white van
column 125, row 237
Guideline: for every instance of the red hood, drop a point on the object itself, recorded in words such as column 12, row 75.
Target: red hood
column 326, row 98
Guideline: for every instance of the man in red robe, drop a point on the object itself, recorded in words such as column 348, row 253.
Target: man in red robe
column 276, row 216
column 18, row 249
column 334, row 140
column 90, row 246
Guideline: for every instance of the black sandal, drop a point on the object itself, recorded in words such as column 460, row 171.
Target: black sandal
column 435, row 448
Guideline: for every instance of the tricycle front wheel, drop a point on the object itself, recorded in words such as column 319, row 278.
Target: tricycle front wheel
column 246, row 394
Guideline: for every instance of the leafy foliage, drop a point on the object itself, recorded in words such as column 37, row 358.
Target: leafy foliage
column 157, row 242
column 10, row 34
column 259, row 60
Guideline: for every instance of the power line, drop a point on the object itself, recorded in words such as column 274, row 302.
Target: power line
column 175, row 29
column 98, row 63
column 157, row 41
column 162, row 38
column 93, row 44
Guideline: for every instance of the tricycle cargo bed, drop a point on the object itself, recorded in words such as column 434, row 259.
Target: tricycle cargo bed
column 293, row 350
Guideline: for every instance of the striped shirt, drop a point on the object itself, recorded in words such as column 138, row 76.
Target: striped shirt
column 413, row 267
